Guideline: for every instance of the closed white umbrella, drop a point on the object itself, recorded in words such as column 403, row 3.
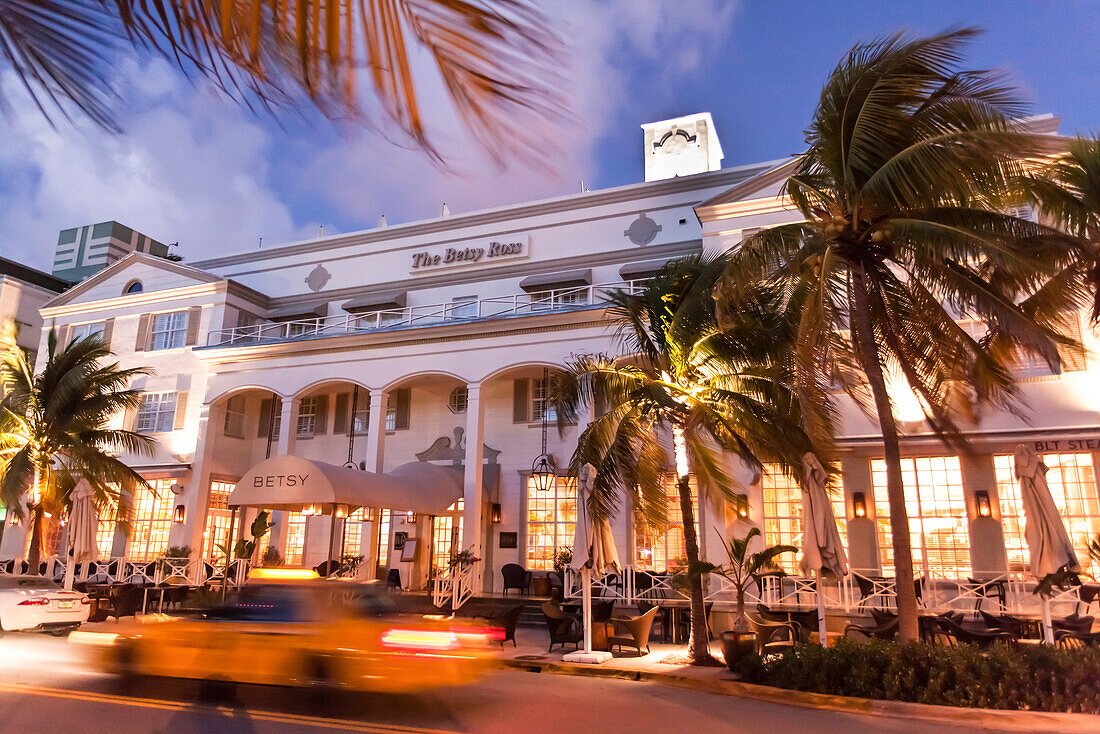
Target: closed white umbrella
column 821, row 546
column 83, row 524
column 593, row 552
column 1048, row 544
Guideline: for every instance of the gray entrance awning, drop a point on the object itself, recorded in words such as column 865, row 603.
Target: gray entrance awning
column 551, row 281
column 375, row 302
column 295, row 313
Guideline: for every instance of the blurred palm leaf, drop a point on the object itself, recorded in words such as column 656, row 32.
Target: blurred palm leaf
column 496, row 58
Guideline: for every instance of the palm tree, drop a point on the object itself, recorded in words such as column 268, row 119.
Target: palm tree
column 1067, row 191
column 54, row 428
column 714, row 389
column 494, row 57
column 910, row 168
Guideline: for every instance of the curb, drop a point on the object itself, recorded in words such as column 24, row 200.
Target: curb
column 1026, row 721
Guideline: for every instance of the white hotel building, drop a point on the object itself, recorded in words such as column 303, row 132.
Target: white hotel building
column 428, row 341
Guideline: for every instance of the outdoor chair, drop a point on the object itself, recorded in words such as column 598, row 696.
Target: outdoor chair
column 984, row 589
column 884, row 627
column 516, row 577
column 564, row 629
column 393, row 580
column 506, row 620
column 632, row 631
column 772, row 636
column 982, row 637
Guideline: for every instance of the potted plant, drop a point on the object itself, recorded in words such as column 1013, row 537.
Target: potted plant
column 744, row 569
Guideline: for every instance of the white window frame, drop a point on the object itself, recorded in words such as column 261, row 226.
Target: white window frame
column 307, row 417
column 235, row 416
column 157, row 413
column 168, row 331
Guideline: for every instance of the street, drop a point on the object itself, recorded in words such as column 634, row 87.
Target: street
column 48, row 686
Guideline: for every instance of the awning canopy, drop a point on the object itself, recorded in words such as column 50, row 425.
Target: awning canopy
column 550, row 281
column 292, row 483
column 295, row 313
column 375, row 302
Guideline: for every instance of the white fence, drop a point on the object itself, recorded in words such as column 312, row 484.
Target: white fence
column 853, row 594
column 517, row 304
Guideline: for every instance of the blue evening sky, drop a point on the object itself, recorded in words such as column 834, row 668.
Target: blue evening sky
column 193, row 168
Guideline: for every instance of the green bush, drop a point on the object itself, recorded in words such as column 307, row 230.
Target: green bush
column 1030, row 677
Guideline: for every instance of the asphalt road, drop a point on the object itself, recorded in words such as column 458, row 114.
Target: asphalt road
column 47, row 686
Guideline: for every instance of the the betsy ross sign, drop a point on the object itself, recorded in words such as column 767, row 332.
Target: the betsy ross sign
column 437, row 258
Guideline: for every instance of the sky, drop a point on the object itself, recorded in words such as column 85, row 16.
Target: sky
column 194, row 168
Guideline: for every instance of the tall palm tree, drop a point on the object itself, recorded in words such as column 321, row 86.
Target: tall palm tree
column 1067, row 192
column 495, row 57
column 713, row 389
column 910, row 168
column 54, row 428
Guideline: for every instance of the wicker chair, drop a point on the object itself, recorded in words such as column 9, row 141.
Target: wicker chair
column 632, row 631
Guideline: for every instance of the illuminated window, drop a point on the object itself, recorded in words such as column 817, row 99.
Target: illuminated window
column 157, row 413
column 169, row 330
column 663, row 549
column 295, row 538
column 934, row 502
column 216, row 531
column 234, row 416
column 307, row 416
column 150, row 521
column 1072, row 482
column 551, row 520
column 783, row 515
column 353, row 532
column 447, row 536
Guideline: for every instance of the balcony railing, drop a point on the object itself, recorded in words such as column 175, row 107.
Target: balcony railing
column 518, row 304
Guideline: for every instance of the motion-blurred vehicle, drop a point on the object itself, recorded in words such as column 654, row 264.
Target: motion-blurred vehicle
column 37, row 603
column 287, row 631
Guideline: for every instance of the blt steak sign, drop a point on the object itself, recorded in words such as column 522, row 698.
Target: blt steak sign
column 444, row 257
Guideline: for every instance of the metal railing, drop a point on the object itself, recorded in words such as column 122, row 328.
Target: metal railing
column 517, row 304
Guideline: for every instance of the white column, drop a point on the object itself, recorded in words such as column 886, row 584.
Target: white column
column 475, row 455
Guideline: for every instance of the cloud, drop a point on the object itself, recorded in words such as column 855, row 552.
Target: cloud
column 193, row 168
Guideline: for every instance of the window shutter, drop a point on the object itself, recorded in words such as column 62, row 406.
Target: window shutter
column 108, row 331
column 521, row 402
column 181, row 410
column 341, row 411
column 1074, row 359
column 265, row 417
column 193, row 316
column 129, row 419
column 401, row 398
column 63, row 336
column 142, row 333
column 320, row 420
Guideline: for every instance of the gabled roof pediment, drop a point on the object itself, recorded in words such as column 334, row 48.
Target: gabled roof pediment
column 156, row 274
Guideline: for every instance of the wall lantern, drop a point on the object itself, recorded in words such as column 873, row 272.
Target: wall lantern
column 495, row 513
column 179, row 514
column 983, row 503
column 859, row 504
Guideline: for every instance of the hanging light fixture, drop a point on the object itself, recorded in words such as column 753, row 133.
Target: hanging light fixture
column 542, row 474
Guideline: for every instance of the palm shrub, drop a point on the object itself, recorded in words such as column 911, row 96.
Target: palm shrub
column 745, row 569
column 54, row 428
column 911, row 166
column 713, row 389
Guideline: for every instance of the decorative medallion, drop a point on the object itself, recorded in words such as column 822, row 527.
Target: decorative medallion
column 318, row 278
column 642, row 230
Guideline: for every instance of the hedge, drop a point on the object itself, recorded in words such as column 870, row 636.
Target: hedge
column 1028, row 677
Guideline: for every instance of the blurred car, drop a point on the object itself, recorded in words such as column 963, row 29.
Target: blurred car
column 283, row 630
column 37, row 603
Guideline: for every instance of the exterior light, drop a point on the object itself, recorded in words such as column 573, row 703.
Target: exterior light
column 495, row 514
column 179, row 515
column 859, row 504
column 984, row 509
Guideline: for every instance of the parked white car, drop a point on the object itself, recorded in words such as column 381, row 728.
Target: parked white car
column 37, row 603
